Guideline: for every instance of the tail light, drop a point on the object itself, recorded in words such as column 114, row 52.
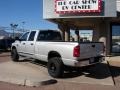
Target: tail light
column 76, row 51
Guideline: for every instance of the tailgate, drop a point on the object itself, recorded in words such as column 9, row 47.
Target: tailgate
column 88, row 50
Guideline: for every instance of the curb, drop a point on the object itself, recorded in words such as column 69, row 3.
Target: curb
column 25, row 82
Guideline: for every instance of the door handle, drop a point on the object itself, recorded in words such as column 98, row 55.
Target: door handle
column 31, row 44
column 23, row 43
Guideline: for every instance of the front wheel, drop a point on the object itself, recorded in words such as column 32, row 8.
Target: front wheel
column 55, row 67
column 14, row 55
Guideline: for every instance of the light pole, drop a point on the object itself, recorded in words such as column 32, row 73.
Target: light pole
column 23, row 26
column 13, row 27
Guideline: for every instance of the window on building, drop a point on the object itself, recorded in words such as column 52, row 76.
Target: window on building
column 83, row 35
column 86, row 35
column 115, row 38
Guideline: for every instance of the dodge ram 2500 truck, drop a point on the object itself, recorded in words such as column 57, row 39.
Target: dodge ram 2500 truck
column 48, row 46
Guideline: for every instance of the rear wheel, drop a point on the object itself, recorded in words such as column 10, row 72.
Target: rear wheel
column 55, row 67
column 14, row 55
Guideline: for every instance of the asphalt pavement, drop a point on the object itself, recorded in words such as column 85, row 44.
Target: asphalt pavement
column 92, row 79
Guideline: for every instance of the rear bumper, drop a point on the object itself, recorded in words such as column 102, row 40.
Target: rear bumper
column 85, row 62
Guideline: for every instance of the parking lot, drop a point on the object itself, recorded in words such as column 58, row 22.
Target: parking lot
column 32, row 73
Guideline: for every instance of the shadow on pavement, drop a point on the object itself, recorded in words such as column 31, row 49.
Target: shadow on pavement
column 40, row 63
column 98, row 71
column 49, row 82
column 115, row 71
column 25, row 60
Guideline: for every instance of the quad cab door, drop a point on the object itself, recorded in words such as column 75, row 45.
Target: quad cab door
column 21, row 45
column 30, row 45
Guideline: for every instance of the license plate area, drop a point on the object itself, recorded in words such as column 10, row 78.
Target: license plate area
column 92, row 60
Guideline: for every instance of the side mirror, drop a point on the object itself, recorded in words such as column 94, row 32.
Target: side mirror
column 17, row 38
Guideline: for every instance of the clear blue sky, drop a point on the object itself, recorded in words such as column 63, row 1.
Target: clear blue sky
column 30, row 11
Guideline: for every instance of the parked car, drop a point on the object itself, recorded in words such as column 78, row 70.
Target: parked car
column 116, row 47
column 48, row 46
column 6, row 43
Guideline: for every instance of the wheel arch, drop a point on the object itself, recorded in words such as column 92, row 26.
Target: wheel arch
column 52, row 54
column 13, row 47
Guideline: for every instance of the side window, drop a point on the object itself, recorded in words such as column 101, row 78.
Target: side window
column 32, row 35
column 24, row 37
column 56, row 36
column 49, row 35
column 42, row 36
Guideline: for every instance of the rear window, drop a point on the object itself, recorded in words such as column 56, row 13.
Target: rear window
column 49, row 36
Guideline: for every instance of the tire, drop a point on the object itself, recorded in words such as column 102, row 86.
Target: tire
column 55, row 67
column 14, row 55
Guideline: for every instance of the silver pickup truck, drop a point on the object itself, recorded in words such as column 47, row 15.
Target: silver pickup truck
column 48, row 46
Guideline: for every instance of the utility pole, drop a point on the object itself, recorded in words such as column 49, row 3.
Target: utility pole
column 13, row 27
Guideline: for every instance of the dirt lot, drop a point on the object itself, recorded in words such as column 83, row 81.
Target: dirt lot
column 61, row 85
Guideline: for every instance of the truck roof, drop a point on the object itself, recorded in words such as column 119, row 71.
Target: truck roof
column 45, row 30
